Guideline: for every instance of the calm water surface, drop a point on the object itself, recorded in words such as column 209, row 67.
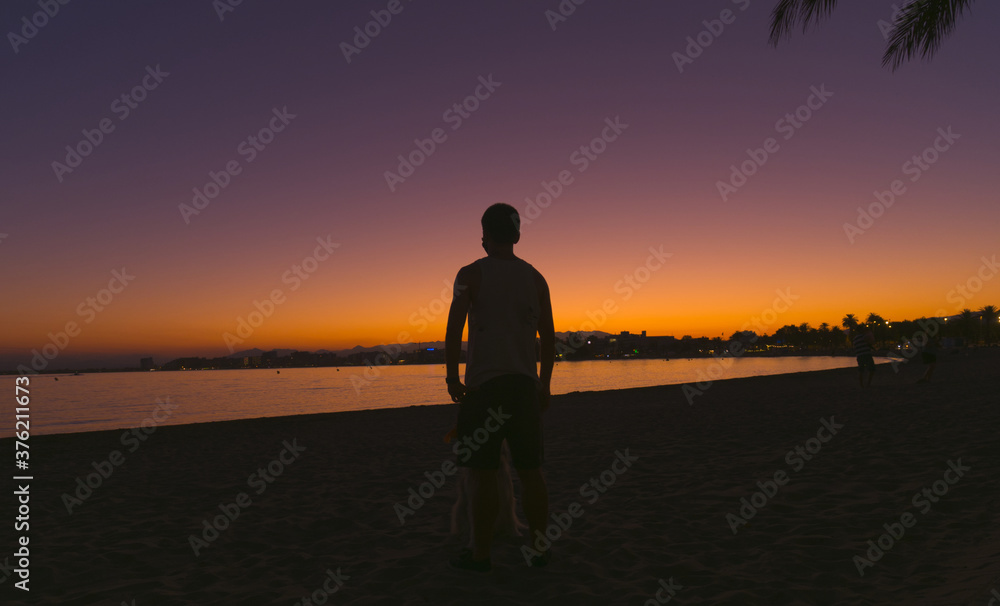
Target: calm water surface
column 92, row 402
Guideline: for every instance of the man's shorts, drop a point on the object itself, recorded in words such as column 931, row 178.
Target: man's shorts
column 505, row 407
column 866, row 361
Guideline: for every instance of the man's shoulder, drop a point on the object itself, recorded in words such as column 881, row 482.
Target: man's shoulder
column 472, row 271
column 531, row 268
column 538, row 278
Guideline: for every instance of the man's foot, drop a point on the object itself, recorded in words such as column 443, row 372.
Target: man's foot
column 464, row 561
column 541, row 561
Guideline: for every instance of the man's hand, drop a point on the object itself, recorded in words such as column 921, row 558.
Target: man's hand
column 543, row 398
column 456, row 391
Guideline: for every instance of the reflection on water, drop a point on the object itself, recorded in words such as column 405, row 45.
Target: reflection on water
column 113, row 400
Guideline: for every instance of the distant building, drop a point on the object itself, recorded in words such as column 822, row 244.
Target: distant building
column 147, row 364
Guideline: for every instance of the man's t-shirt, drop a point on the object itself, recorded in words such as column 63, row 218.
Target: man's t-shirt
column 861, row 345
column 503, row 322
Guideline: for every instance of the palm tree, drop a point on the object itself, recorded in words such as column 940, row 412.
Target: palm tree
column 824, row 334
column 785, row 334
column 849, row 322
column 806, row 336
column 989, row 315
column 919, row 29
column 877, row 323
column 836, row 336
column 965, row 318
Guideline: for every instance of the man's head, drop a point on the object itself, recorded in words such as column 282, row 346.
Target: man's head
column 501, row 224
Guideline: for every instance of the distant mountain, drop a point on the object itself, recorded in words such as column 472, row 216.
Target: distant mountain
column 601, row 334
column 250, row 353
column 407, row 347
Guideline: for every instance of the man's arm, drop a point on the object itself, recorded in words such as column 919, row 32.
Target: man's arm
column 460, row 302
column 547, row 335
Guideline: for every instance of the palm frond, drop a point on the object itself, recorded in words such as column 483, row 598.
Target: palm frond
column 921, row 28
column 788, row 13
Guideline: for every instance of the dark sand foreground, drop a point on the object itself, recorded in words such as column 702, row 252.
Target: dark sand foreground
column 665, row 517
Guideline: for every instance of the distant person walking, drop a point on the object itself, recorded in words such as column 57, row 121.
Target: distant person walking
column 928, row 356
column 503, row 397
column 864, row 341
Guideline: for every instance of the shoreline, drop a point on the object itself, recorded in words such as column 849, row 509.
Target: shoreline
column 880, row 361
column 836, row 353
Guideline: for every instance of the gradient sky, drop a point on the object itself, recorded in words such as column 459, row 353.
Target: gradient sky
column 323, row 175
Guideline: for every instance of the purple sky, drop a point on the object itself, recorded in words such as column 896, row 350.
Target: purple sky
column 323, row 175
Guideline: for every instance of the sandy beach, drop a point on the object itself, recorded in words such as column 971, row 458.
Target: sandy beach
column 312, row 502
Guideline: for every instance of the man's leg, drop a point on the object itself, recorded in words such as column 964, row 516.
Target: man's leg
column 483, row 460
column 484, row 507
column 929, row 361
column 535, row 497
column 527, row 453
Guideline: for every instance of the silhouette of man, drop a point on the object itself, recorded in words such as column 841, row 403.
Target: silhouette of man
column 507, row 303
column 864, row 341
column 928, row 354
